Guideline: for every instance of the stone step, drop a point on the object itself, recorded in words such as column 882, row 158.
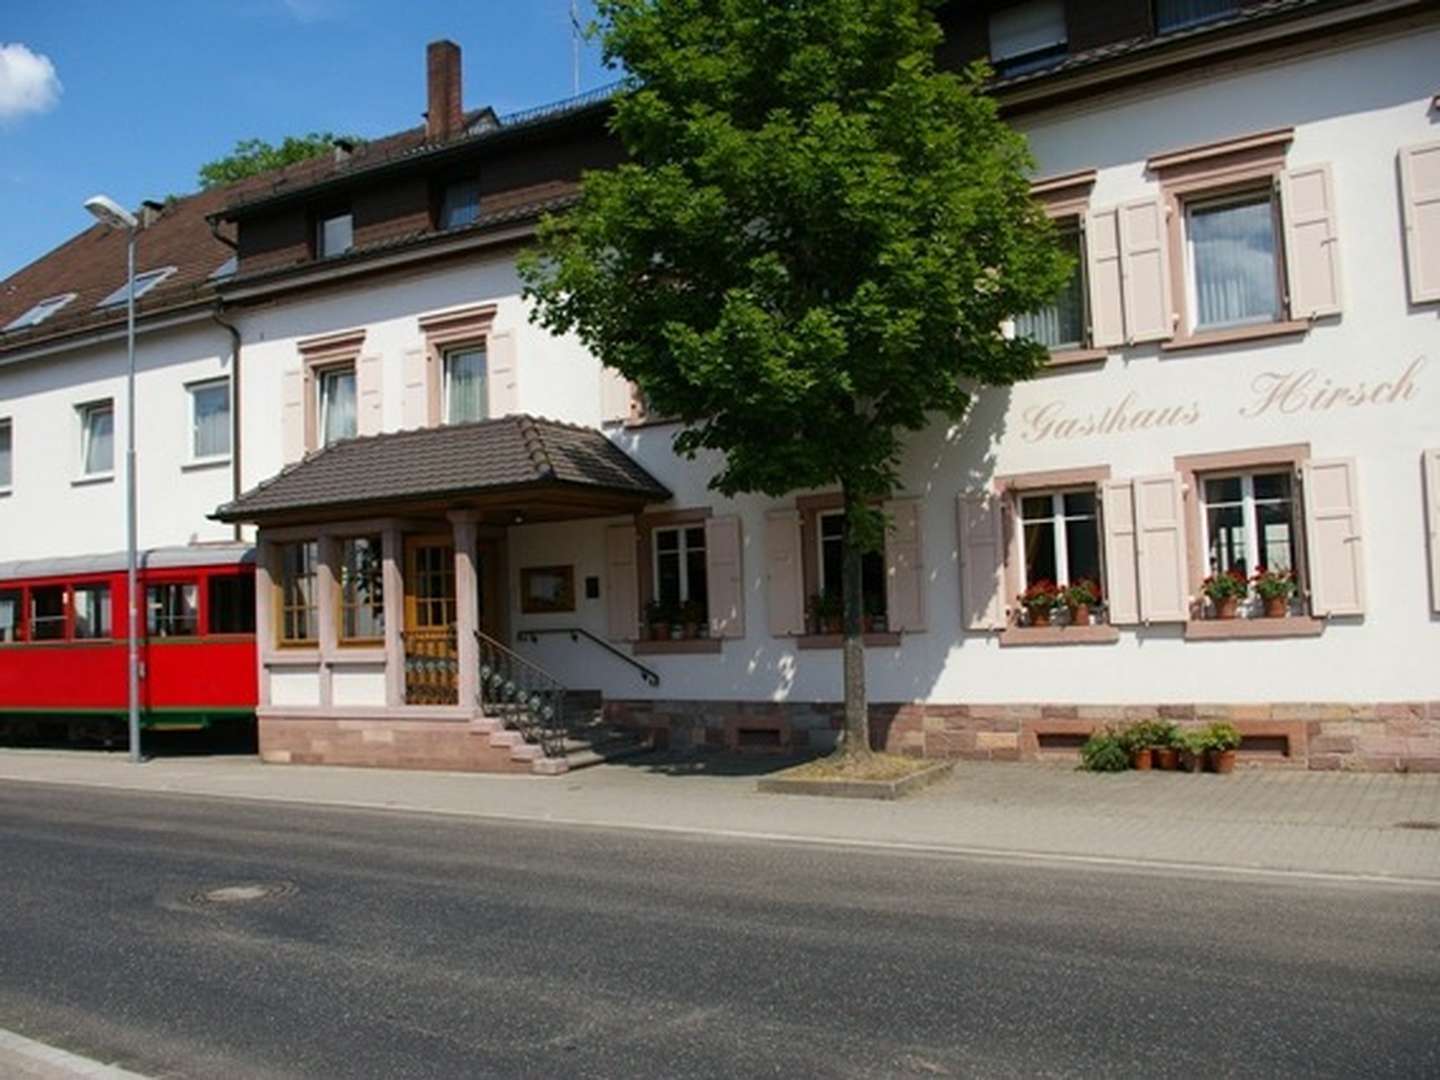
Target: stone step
column 581, row 753
column 506, row 737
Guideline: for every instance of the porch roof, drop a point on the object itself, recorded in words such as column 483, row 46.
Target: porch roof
column 514, row 461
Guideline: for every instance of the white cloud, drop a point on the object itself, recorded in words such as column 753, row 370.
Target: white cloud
column 28, row 83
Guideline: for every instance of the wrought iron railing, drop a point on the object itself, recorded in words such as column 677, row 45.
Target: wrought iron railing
column 432, row 667
column 524, row 695
column 575, row 633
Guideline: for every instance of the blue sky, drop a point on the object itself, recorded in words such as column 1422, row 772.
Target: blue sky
column 140, row 104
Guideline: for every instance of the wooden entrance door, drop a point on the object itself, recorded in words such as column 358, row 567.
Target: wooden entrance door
column 431, row 656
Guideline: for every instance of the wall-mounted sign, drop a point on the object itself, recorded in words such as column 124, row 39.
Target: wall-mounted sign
column 546, row 589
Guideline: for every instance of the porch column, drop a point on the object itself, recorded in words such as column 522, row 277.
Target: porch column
column 392, row 559
column 467, row 606
column 264, row 613
column 328, row 601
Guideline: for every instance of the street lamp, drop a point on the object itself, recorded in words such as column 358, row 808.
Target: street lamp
column 108, row 212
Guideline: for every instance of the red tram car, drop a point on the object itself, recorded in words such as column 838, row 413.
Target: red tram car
column 63, row 641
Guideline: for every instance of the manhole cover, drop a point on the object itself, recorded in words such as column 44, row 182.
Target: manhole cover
column 1430, row 825
column 246, row 893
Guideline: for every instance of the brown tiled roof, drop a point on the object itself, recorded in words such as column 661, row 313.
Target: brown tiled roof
column 452, row 460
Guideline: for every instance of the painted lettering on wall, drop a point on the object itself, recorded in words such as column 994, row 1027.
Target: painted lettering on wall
column 1273, row 393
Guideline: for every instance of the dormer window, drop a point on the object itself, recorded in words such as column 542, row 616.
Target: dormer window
column 334, row 235
column 459, row 204
column 40, row 312
column 1178, row 14
column 1027, row 37
column 143, row 284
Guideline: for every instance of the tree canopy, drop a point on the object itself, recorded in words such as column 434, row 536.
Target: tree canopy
column 813, row 245
column 253, row 156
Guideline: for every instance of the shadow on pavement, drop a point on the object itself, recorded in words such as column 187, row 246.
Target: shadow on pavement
column 710, row 763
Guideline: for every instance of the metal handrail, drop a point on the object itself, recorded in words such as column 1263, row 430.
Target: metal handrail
column 524, row 694
column 575, row 633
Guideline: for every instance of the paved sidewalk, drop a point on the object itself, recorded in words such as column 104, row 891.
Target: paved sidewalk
column 1320, row 823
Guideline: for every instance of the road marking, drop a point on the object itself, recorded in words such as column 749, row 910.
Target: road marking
column 899, row 847
column 31, row 1058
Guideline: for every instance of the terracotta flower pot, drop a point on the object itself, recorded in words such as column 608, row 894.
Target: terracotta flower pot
column 1277, row 607
column 1166, row 757
column 1039, row 616
column 1221, row 761
column 692, row 631
column 1140, row 760
column 1226, row 608
column 659, row 631
column 832, row 624
column 1080, row 615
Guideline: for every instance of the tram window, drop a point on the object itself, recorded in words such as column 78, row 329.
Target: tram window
column 92, row 611
column 232, row 604
column 47, row 613
column 9, row 616
column 172, row 609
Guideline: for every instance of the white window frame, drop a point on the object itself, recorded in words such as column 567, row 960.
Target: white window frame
column 1248, row 519
column 323, row 375
column 38, row 313
column 470, row 183
column 1061, row 522
column 83, row 411
column 1204, row 201
column 144, row 282
column 191, row 388
column 445, row 357
column 7, row 483
column 1067, row 223
column 683, row 551
column 321, row 251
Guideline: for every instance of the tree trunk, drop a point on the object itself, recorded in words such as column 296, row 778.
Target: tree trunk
column 856, row 740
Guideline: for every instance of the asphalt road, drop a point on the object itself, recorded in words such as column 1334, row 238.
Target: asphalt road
column 413, row 946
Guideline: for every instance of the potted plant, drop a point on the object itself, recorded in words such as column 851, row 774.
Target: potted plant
column 1080, row 597
column 1039, row 600
column 1192, row 750
column 1104, row 751
column 657, row 617
column 1274, row 587
column 1166, row 748
column 693, row 618
column 874, row 614
column 1221, row 742
column 827, row 609
column 1139, row 741
column 1225, row 591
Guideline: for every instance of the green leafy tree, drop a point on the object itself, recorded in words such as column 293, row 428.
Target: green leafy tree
column 253, row 156
column 810, row 252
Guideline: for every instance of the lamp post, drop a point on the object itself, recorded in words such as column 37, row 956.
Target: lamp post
column 107, row 211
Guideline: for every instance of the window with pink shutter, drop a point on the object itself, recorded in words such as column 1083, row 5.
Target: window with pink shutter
column 1420, row 188
column 982, row 560
column 1432, row 521
column 784, row 580
column 622, row 593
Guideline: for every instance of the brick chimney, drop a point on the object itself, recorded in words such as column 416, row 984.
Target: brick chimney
column 445, row 116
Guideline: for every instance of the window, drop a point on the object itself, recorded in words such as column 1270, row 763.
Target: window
column 872, row 565
column 6, row 455
column 39, row 313
column 459, row 204
column 10, row 609
column 680, row 579
column 92, row 611
column 232, row 604
column 210, row 420
column 362, row 589
column 143, row 284
column 1061, row 324
column 172, row 609
column 1249, row 522
column 1027, row 37
column 298, row 622
column 47, row 613
column 334, row 235
column 1061, row 537
column 1234, row 261
column 1177, row 14
column 465, row 397
column 97, row 438
column 335, row 399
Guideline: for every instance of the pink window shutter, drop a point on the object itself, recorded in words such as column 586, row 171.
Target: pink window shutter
column 1312, row 241
column 1432, row 520
column 982, row 561
column 904, row 567
column 292, row 413
column 784, row 579
column 1420, row 191
column 1102, row 256
column 502, row 375
column 724, row 579
column 416, row 411
column 622, row 601
column 1160, row 548
column 1333, row 538
column 614, row 397
column 1122, row 582
column 369, row 371
column 1145, row 271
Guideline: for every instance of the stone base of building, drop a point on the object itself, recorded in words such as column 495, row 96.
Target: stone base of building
column 376, row 739
column 1381, row 737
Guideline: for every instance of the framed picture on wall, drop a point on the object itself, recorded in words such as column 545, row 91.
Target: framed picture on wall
column 547, row 588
